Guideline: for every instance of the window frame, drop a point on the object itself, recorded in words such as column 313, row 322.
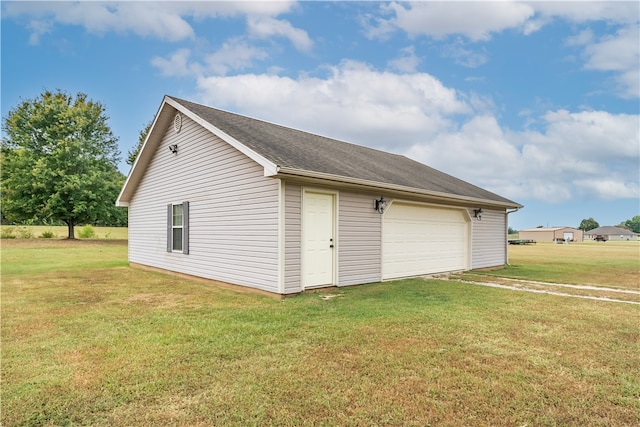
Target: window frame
column 183, row 227
column 177, row 213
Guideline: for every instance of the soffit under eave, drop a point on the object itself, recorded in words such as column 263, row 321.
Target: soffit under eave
column 390, row 191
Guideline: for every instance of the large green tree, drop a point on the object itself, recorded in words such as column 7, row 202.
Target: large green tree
column 59, row 161
column 588, row 224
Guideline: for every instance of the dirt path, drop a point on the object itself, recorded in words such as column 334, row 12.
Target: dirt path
column 576, row 291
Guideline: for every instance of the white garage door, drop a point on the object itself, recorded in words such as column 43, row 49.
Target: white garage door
column 423, row 240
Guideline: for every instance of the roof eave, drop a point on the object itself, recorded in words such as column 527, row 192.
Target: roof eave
column 436, row 195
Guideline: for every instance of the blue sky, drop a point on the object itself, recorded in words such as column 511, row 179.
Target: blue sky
column 536, row 101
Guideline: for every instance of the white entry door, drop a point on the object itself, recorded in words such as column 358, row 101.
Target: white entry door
column 318, row 240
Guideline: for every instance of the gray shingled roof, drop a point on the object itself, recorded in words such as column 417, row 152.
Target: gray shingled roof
column 610, row 230
column 295, row 149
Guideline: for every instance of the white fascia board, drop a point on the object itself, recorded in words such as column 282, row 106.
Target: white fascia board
column 393, row 187
column 270, row 169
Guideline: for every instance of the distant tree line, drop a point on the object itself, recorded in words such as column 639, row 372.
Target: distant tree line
column 632, row 224
column 587, row 224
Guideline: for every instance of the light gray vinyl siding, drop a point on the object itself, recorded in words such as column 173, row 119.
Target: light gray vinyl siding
column 359, row 240
column 233, row 211
column 293, row 236
column 489, row 239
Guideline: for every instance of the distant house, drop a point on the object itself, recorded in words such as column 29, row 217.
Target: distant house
column 554, row 234
column 241, row 201
column 610, row 233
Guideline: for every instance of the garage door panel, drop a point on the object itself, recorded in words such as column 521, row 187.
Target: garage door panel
column 422, row 240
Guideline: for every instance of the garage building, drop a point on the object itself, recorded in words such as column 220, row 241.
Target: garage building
column 246, row 202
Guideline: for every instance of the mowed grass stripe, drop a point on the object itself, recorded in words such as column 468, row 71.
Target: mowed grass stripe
column 559, row 289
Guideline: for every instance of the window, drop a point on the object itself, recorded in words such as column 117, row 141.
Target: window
column 178, row 227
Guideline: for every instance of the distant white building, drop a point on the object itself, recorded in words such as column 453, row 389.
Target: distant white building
column 610, row 233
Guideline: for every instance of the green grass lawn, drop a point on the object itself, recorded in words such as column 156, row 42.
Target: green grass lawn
column 31, row 256
column 611, row 264
column 93, row 342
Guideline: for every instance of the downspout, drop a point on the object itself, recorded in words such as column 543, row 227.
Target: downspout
column 506, row 233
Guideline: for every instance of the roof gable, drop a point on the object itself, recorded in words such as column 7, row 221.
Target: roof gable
column 284, row 151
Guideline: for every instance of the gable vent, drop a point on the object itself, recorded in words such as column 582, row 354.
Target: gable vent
column 177, row 122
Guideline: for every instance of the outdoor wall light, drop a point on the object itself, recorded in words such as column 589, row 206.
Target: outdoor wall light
column 379, row 205
column 477, row 214
column 173, row 148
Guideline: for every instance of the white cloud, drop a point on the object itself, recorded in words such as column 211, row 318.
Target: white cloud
column 265, row 27
column 479, row 151
column 608, row 188
column 463, row 56
column 161, row 20
column 169, row 21
column 593, row 154
column 475, row 20
column 533, row 25
column 479, row 21
column 407, row 62
column 620, row 12
column 619, row 53
column 578, row 155
column 594, row 135
column 582, row 38
column 354, row 103
column 235, row 54
column 146, row 19
column 377, row 27
column 176, row 65
column 38, row 29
